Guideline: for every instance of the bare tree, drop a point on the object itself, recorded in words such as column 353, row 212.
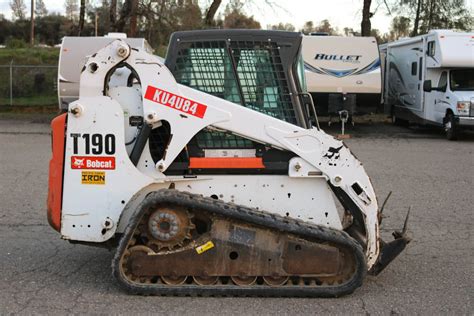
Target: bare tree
column 211, row 12
column 113, row 13
column 416, row 23
column 82, row 12
column 40, row 8
column 32, row 23
column 124, row 15
column 19, row 9
column 133, row 18
column 71, row 8
column 365, row 25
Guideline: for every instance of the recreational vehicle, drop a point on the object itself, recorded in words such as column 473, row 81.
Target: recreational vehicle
column 429, row 79
column 342, row 73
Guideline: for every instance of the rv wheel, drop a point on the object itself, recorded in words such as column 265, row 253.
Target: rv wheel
column 450, row 127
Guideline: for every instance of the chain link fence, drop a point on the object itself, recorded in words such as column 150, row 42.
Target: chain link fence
column 28, row 85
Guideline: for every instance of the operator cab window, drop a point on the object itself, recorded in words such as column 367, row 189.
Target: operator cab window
column 251, row 75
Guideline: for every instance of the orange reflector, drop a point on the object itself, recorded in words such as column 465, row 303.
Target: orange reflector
column 226, row 163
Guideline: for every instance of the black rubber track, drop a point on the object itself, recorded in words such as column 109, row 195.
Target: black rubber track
column 241, row 213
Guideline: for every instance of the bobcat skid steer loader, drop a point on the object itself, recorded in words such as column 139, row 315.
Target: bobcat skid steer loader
column 207, row 174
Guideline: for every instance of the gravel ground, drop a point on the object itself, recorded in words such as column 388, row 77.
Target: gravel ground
column 41, row 273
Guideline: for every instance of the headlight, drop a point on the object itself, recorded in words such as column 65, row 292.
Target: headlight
column 463, row 107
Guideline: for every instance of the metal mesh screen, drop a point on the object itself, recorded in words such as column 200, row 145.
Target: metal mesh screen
column 245, row 72
column 262, row 79
column 207, row 67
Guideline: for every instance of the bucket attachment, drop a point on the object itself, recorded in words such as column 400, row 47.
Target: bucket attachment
column 391, row 250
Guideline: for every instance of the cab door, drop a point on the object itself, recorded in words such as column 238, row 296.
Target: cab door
column 441, row 103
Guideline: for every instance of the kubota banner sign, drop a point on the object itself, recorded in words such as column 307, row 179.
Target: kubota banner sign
column 175, row 101
column 92, row 162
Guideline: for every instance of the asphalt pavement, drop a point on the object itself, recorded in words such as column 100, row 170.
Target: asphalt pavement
column 42, row 274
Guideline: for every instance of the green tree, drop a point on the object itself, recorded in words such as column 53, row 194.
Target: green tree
column 435, row 14
column 326, row 27
column 235, row 18
column 400, row 27
column 349, row 31
column 283, row 27
column 308, row 27
column 323, row 27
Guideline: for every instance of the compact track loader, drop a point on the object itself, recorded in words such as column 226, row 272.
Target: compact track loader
column 209, row 173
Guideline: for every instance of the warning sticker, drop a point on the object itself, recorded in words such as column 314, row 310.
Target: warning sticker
column 175, row 101
column 92, row 162
column 93, row 177
column 205, row 247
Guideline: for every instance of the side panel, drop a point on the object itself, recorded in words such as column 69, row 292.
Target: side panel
column 99, row 178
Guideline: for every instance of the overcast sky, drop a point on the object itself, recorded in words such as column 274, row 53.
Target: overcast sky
column 341, row 13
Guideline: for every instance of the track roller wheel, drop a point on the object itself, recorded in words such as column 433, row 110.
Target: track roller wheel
column 244, row 280
column 275, row 281
column 205, row 280
column 172, row 280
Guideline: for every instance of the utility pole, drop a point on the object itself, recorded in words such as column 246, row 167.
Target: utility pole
column 96, row 19
column 32, row 34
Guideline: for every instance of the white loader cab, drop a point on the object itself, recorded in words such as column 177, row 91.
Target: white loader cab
column 429, row 79
column 342, row 73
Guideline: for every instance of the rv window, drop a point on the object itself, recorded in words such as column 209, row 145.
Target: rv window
column 431, row 48
column 420, row 72
column 443, row 80
column 413, row 68
column 462, row 79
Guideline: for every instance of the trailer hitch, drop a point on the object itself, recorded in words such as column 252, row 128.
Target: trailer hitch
column 389, row 251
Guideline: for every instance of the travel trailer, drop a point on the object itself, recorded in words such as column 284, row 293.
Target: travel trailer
column 429, row 79
column 342, row 73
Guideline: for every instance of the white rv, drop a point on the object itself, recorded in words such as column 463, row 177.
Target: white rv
column 342, row 72
column 429, row 79
column 73, row 54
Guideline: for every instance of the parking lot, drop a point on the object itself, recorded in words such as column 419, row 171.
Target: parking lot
column 40, row 273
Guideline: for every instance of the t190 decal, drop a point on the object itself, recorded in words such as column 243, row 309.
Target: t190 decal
column 95, row 144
